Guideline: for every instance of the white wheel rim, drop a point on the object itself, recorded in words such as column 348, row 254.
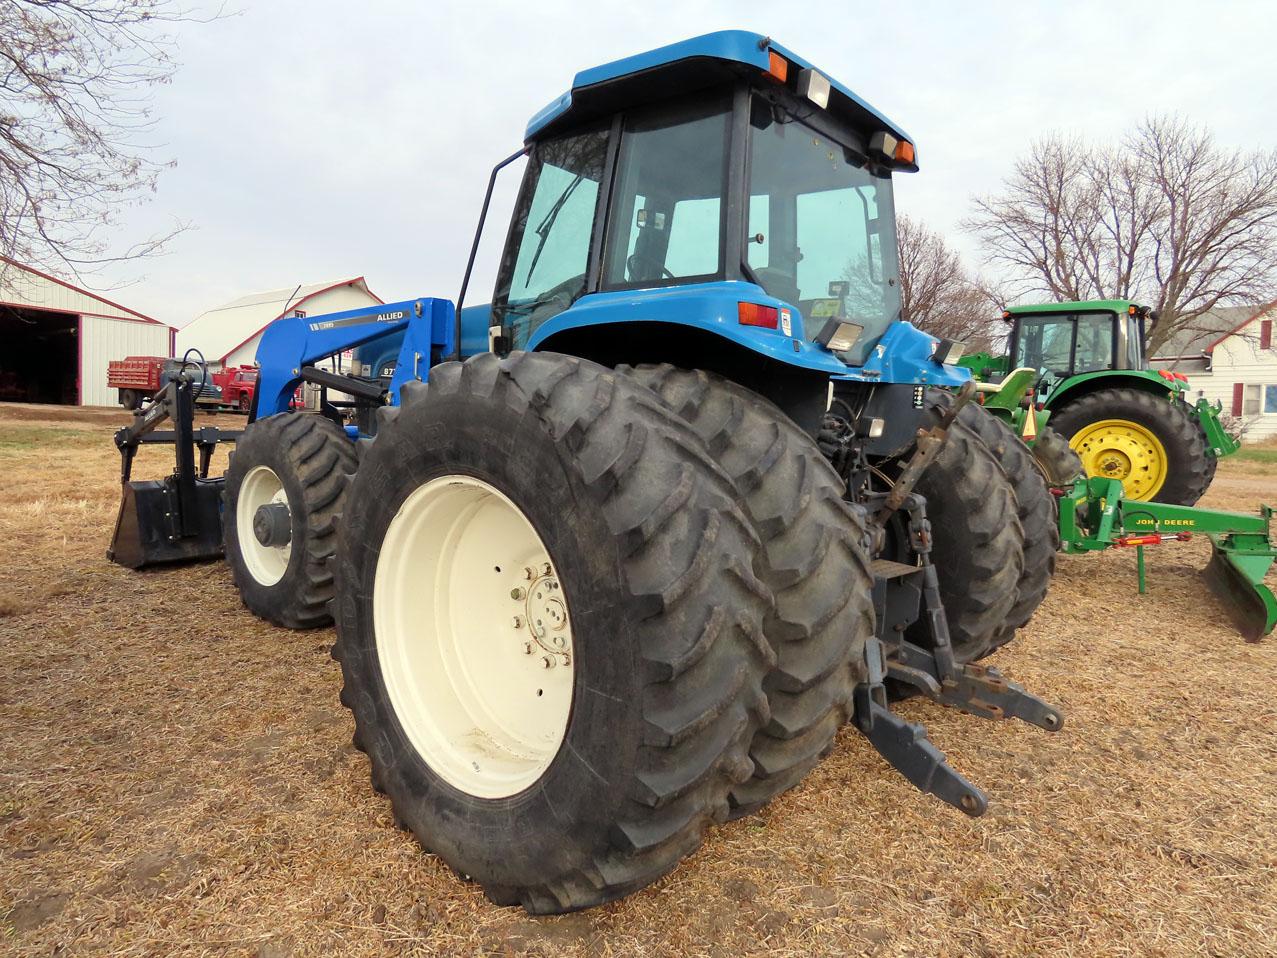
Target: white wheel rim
column 266, row 564
column 473, row 637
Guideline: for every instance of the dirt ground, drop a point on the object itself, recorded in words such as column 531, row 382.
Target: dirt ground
column 176, row 778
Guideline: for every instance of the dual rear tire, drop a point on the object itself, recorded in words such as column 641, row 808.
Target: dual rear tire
column 715, row 592
column 556, row 797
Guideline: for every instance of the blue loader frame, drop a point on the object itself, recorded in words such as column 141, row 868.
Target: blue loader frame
column 425, row 327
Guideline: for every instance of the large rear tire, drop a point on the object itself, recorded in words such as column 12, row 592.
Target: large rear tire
column 814, row 557
column 285, row 488
column 611, row 495
column 1149, row 442
column 1036, row 509
column 977, row 543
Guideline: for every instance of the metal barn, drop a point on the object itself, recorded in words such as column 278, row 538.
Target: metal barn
column 57, row 338
column 229, row 334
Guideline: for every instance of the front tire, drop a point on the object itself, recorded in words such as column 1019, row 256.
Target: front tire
column 654, row 564
column 814, row 557
column 285, row 489
column 1149, row 442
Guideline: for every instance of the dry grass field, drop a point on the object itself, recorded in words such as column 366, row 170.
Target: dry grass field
column 176, row 778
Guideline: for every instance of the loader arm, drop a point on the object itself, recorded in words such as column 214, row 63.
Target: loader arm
column 291, row 347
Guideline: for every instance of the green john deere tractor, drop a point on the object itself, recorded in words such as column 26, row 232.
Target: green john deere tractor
column 1085, row 365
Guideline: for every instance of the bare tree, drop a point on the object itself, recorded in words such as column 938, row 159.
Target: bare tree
column 76, row 81
column 936, row 292
column 1168, row 218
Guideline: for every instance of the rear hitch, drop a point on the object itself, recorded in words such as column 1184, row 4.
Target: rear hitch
column 972, row 689
column 905, row 745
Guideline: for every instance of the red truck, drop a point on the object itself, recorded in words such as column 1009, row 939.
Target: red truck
column 141, row 377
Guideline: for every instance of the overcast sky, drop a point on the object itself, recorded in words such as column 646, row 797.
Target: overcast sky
column 317, row 139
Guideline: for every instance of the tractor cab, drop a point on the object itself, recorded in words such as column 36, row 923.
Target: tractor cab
column 1071, row 339
column 718, row 204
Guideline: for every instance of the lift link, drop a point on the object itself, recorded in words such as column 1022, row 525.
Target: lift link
column 905, row 745
column 974, row 689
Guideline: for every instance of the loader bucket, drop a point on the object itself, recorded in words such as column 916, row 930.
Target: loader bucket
column 1235, row 574
column 149, row 529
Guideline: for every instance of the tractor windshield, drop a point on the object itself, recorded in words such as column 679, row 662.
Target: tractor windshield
column 543, row 269
column 822, row 230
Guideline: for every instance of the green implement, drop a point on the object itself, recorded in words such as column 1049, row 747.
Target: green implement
column 1095, row 515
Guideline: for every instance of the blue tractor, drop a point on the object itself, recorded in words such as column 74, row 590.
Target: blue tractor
column 615, row 556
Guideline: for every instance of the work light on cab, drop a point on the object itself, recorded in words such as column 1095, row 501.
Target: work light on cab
column 838, row 335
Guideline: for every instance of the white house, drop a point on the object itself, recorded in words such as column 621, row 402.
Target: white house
column 57, row 338
column 1230, row 355
column 229, row 334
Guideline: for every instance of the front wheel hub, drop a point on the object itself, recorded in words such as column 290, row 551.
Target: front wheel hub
column 262, row 505
column 273, row 524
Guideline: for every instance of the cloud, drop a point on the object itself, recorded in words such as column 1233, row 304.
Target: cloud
column 323, row 139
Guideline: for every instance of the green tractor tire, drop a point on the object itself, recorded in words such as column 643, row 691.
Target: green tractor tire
column 1153, row 445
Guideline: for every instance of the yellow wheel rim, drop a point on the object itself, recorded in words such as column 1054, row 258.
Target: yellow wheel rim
column 1125, row 450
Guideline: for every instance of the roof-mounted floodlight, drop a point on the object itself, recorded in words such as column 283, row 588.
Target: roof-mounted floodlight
column 815, row 87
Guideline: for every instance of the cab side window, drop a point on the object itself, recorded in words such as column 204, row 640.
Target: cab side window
column 667, row 211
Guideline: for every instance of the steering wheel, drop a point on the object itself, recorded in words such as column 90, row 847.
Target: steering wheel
column 637, row 260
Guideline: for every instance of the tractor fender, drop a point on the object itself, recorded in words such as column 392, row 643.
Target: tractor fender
column 1075, row 387
column 707, row 308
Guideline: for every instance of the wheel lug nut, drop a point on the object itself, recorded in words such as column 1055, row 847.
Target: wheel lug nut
column 547, row 662
column 529, row 573
column 528, row 648
column 518, row 622
column 517, row 593
column 545, row 569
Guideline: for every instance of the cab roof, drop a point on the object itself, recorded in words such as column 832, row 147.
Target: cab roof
column 1083, row 306
column 687, row 65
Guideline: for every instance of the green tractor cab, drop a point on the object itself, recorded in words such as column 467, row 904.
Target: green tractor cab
column 1124, row 420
